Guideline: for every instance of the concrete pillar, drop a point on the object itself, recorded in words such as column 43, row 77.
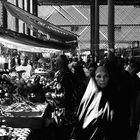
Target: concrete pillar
column 28, row 10
column 4, row 17
column 16, row 19
column 35, row 12
column 97, row 30
column 92, row 31
column 111, row 25
column 23, row 7
column 35, row 7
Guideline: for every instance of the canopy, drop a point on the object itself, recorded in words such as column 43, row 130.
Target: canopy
column 24, row 42
column 54, row 32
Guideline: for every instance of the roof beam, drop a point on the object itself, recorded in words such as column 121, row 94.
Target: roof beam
column 86, row 2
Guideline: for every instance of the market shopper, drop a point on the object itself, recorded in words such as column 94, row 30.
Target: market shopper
column 65, row 85
column 80, row 82
column 104, row 111
column 24, row 69
column 133, row 68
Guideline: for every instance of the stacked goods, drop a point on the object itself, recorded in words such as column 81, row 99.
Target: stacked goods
column 8, row 133
column 23, row 109
column 20, row 133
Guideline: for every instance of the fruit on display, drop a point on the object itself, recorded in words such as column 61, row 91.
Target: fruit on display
column 7, row 89
column 35, row 89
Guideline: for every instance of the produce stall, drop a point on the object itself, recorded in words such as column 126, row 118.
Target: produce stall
column 26, row 108
column 24, row 104
column 17, row 112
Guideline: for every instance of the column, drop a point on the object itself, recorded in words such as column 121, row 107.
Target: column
column 17, row 20
column 111, row 25
column 28, row 10
column 92, row 25
column 23, row 7
column 4, row 17
column 97, row 30
column 35, row 12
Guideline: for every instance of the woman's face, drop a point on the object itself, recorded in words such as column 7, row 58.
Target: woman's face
column 22, row 60
column 101, row 77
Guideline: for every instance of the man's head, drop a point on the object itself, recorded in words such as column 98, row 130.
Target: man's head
column 62, row 61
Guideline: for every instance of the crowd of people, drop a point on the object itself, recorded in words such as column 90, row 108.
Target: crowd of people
column 102, row 97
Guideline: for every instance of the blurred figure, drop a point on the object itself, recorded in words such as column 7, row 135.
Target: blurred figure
column 80, row 82
column 25, row 69
column 91, row 71
column 81, row 62
column 132, row 66
column 65, row 85
column 133, row 69
column 125, row 90
column 90, row 62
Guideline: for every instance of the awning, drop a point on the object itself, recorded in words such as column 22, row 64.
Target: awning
column 24, row 42
column 55, row 33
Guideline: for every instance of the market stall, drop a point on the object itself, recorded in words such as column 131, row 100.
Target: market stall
column 25, row 107
column 43, row 28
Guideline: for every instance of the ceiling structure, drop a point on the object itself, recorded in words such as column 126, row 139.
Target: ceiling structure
column 86, row 2
column 76, row 18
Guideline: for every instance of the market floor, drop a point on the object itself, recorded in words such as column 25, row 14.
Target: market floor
column 52, row 132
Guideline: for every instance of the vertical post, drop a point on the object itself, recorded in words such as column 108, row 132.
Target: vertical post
column 17, row 20
column 92, row 25
column 96, row 30
column 111, row 25
column 4, row 17
column 35, row 7
column 23, row 7
column 28, row 10
column 35, row 12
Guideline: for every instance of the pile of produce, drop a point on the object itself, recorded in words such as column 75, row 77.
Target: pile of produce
column 13, row 90
column 7, row 90
column 24, row 108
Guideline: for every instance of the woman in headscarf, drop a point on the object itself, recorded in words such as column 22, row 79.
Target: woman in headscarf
column 98, row 114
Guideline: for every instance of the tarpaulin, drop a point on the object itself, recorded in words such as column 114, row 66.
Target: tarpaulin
column 27, row 43
column 44, row 26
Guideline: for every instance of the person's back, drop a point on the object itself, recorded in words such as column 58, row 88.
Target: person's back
column 65, row 81
column 79, row 83
column 124, row 90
